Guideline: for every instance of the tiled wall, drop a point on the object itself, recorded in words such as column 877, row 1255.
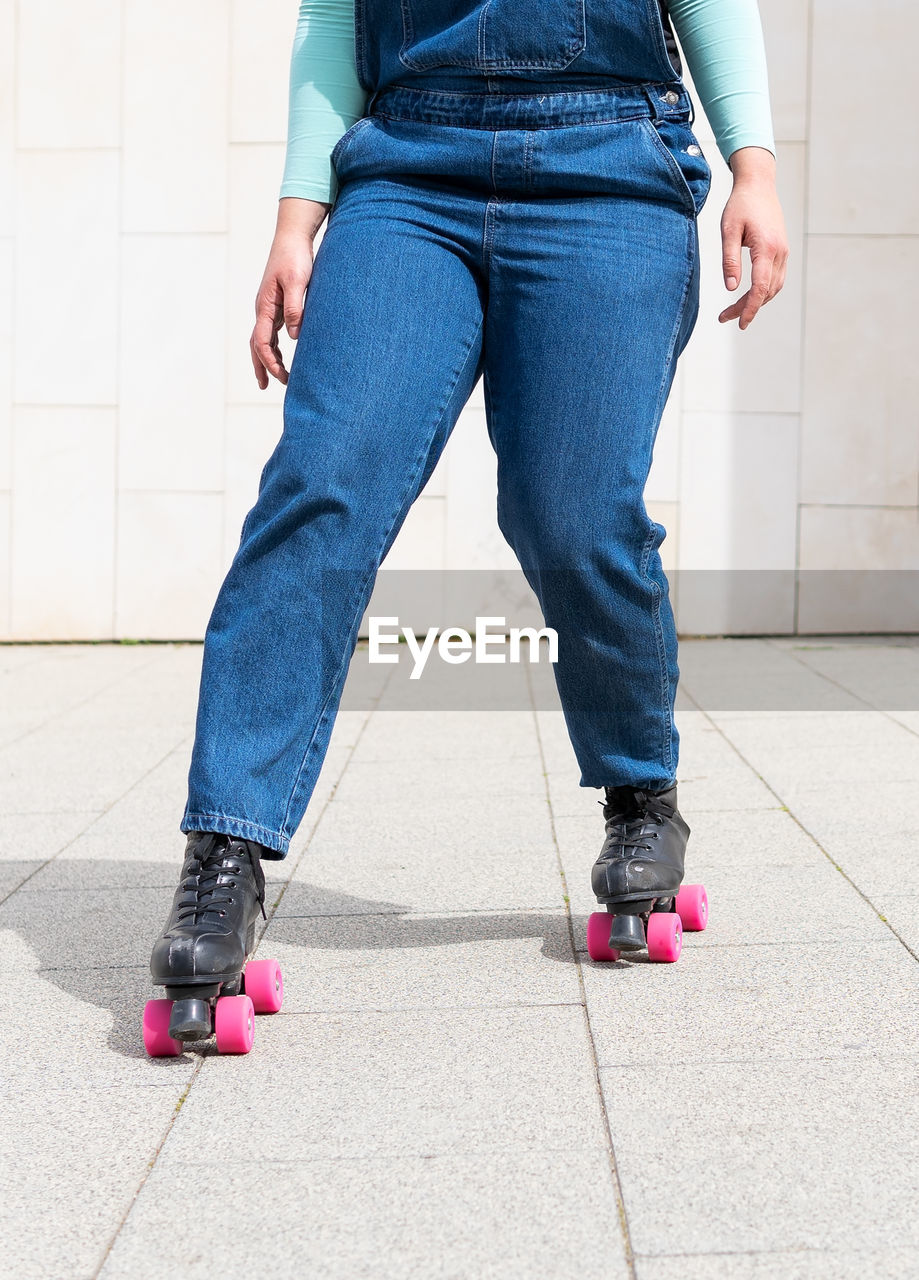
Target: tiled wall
column 141, row 148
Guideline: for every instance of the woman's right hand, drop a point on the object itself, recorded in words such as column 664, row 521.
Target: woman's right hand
column 280, row 296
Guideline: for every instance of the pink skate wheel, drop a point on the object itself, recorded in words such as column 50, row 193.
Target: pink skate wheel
column 157, row 1040
column 599, row 924
column 665, row 937
column 234, row 1023
column 264, row 985
column 692, row 907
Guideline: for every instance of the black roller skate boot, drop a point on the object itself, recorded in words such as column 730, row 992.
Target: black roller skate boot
column 200, row 957
column 638, row 877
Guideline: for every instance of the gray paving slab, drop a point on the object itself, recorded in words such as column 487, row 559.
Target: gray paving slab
column 432, row 782
column 747, row 1001
column 349, row 728
column 737, row 839
column 46, row 686
column 138, row 842
column 427, row 1102
column 142, row 824
column 844, row 1262
column 764, row 906
column 15, row 656
column 429, row 962
column 390, row 1084
column 461, row 687
column 160, row 695
column 768, row 880
column 867, row 809
column 76, row 1157
column 57, row 676
column 554, row 741
column 446, row 853
column 443, row 1217
column 760, row 1155
column 40, row 836
column 711, row 774
column 76, row 1028
column 884, row 676
column 700, row 788
column 909, row 719
column 901, row 910
column 14, row 873
column 448, row 735
column 881, row 883
column 856, row 640
column 88, row 928
column 65, row 874
column 53, row 769
column 754, row 675
column 871, row 830
column 798, row 752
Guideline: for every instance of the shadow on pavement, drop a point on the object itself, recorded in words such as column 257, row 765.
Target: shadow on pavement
column 90, row 926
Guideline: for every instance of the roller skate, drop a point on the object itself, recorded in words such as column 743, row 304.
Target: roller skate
column 638, row 879
column 200, row 957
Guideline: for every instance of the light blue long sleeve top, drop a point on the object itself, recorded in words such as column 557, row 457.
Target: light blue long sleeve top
column 721, row 40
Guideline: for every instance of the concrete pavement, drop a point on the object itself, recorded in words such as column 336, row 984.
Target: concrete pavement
column 452, row 1088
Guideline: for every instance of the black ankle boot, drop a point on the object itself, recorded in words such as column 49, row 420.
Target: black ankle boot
column 211, row 927
column 642, row 855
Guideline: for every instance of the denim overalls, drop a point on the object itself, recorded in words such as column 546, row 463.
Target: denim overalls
column 519, row 202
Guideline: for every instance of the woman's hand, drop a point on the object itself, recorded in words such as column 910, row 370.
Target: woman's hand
column 280, row 295
column 753, row 217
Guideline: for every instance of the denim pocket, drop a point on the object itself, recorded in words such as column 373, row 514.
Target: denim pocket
column 345, row 140
column 679, row 148
column 492, row 35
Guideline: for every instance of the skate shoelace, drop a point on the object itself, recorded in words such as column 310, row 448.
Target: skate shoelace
column 202, row 881
column 626, row 827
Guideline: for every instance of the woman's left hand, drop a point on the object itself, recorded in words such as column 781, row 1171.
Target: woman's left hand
column 753, row 219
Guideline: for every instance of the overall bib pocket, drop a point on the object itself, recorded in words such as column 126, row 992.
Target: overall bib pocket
column 492, row 35
column 679, row 149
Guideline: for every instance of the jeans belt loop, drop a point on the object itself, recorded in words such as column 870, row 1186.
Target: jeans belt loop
column 652, row 93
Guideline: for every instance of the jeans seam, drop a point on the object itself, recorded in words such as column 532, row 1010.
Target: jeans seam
column 667, row 736
column 552, row 93
column 666, row 752
column 489, row 128
column 191, row 820
column 676, row 173
column 355, row 617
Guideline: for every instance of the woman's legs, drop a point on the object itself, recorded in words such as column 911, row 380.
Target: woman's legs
column 591, row 300
column 388, row 353
column 580, row 244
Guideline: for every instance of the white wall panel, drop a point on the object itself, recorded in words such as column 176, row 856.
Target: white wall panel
column 147, row 143
column 175, row 115
column 63, row 523
column 66, row 324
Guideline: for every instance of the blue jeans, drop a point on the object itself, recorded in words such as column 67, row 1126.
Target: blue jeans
column 547, row 242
